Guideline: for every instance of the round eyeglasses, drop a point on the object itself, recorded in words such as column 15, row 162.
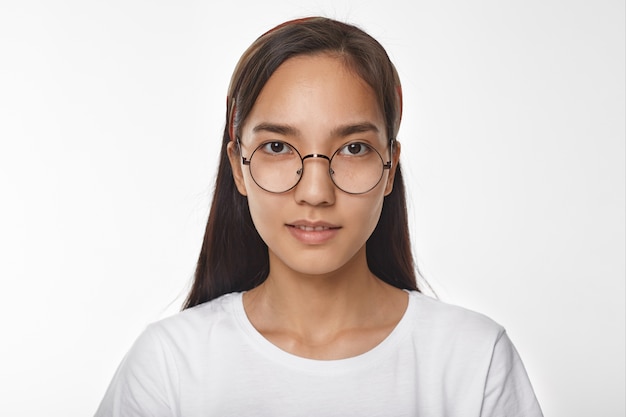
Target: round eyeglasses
column 355, row 168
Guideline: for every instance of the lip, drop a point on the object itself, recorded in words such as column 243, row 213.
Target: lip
column 312, row 232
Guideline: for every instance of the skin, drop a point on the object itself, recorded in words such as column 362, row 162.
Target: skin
column 320, row 299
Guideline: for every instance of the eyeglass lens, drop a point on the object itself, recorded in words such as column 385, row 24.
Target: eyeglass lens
column 277, row 167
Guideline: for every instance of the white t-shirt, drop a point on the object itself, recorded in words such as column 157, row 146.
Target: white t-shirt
column 439, row 361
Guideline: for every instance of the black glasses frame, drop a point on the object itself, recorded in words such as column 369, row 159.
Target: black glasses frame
column 387, row 165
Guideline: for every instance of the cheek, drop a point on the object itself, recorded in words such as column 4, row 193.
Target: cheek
column 265, row 212
column 373, row 214
column 366, row 213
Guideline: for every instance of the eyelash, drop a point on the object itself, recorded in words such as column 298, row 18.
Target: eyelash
column 267, row 147
column 287, row 148
column 364, row 148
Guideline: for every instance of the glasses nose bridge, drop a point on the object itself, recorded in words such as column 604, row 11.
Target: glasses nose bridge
column 319, row 185
column 315, row 155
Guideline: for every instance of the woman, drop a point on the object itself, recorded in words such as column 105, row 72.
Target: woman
column 305, row 300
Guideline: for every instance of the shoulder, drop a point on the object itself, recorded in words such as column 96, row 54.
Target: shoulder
column 469, row 350
column 212, row 310
column 165, row 355
column 429, row 308
column 436, row 320
column 183, row 337
column 198, row 320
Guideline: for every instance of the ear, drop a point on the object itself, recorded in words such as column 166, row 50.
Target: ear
column 234, row 156
column 394, row 164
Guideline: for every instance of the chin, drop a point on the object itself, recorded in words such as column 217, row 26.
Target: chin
column 316, row 263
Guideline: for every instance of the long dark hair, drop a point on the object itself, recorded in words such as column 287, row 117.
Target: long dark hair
column 233, row 255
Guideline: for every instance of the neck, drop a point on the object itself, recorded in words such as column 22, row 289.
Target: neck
column 318, row 307
column 310, row 301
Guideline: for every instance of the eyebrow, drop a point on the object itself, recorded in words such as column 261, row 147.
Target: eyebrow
column 351, row 129
column 285, row 130
column 341, row 131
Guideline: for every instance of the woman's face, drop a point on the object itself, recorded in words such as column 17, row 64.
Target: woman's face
column 316, row 104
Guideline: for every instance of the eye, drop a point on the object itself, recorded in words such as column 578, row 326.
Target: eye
column 354, row 149
column 275, row 148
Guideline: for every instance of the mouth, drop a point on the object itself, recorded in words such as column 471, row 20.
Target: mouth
column 313, row 233
column 307, row 228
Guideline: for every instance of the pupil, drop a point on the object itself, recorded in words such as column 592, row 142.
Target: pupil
column 354, row 148
column 277, row 147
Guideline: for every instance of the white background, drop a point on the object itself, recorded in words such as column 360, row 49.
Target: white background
column 513, row 145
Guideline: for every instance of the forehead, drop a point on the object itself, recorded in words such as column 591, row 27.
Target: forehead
column 315, row 93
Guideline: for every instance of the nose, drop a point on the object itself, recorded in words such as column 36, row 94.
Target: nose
column 315, row 186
